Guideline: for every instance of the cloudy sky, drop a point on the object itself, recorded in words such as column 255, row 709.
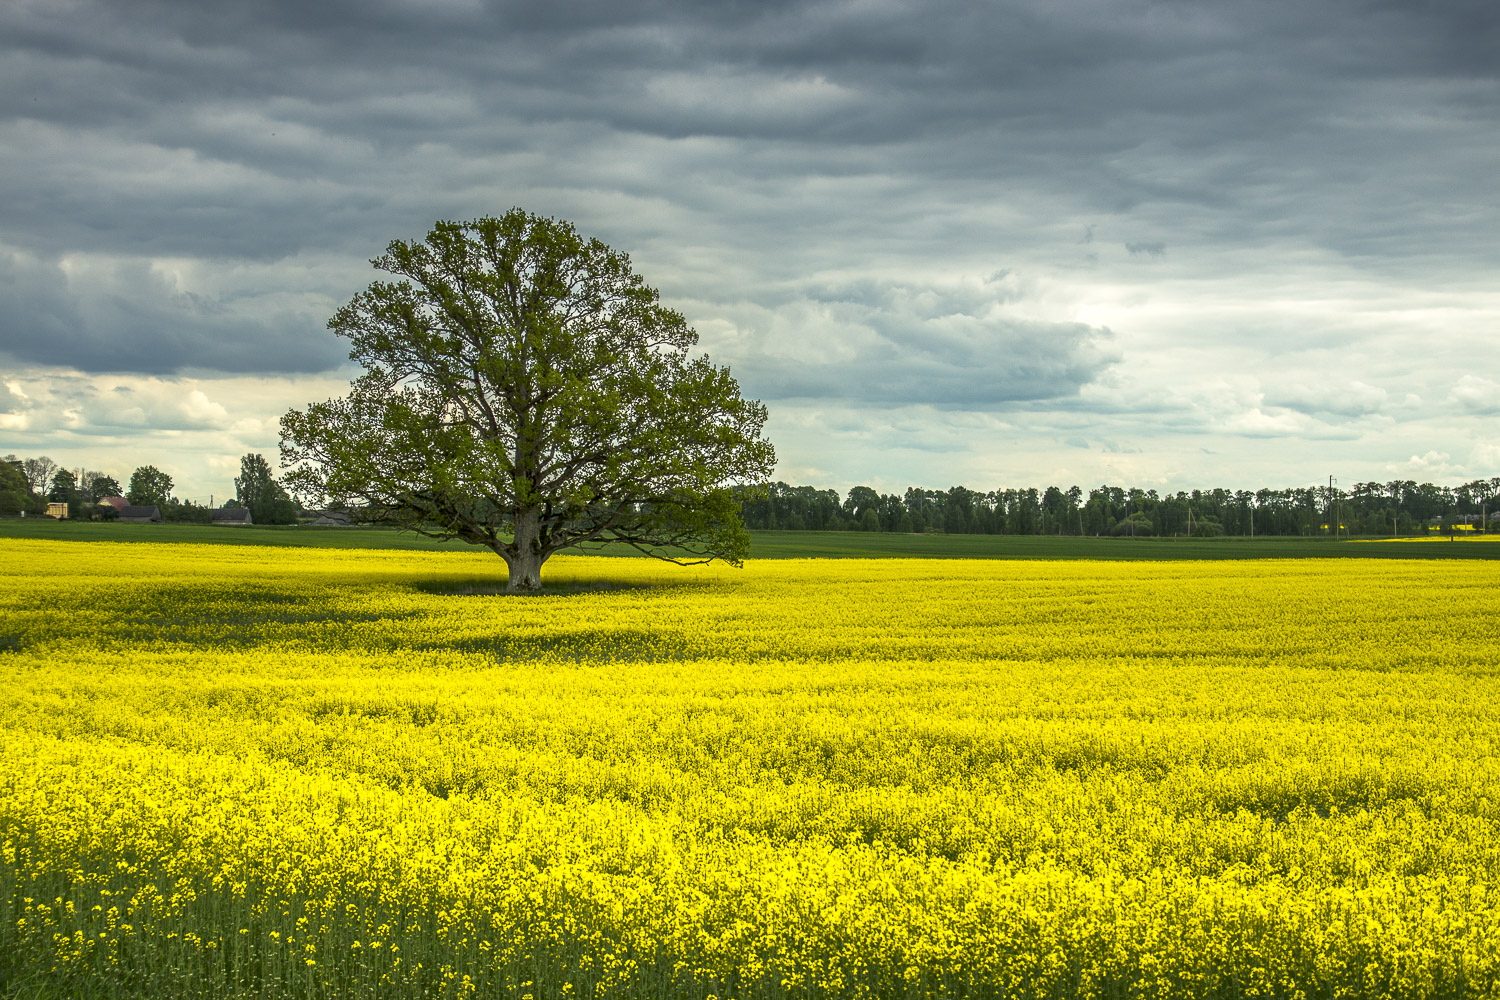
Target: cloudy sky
column 1171, row 244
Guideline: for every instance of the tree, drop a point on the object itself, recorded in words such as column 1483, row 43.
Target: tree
column 1136, row 524
column 187, row 512
column 64, row 490
column 16, row 495
column 526, row 391
column 861, row 499
column 101, row 486
column 256, row 487
column 39, row 472
column 149, row 486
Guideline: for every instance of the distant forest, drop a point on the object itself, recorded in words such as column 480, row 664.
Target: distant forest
column 1400, row 507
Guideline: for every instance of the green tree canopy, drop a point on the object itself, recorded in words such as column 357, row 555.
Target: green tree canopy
column 526, row 391
column 861, row 499
column 149, row 486
column 101, row 486
column 64, row 490
column 15, row 490
column 256, row 488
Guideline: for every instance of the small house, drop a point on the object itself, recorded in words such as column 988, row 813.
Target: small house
column 140, row 515
column 57, row 510
column 332, row 519
column 118, row 503
column 232, row 515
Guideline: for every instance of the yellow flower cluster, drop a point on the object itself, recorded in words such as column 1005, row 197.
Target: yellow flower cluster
column 243, row 771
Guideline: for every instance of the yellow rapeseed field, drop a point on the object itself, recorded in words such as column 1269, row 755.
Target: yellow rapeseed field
column 251, row 772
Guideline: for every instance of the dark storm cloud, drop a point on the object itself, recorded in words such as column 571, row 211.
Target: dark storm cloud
column 743, row 144
column 127, row 318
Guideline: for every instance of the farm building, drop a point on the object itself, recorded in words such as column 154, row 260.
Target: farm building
column 57, row 510
column 140, row 515
column 332, row 519
column 232, row 515
column 118, row 503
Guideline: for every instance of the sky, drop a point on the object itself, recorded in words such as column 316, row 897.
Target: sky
column 1170, row 245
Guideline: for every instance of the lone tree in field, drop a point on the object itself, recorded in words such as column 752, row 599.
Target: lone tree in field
column 524, row 390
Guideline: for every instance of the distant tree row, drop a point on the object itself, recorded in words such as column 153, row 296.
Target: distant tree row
column 30, row 484
column 1371, row 508
column 1397, row 507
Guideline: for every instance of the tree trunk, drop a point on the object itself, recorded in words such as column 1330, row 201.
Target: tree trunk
column 524, row 556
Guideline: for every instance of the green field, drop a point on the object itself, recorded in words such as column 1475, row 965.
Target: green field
column 801, row 544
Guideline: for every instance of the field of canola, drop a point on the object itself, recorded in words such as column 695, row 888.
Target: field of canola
column 252, row 772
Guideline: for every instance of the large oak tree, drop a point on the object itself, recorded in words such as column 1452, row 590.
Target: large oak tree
column 526, row 391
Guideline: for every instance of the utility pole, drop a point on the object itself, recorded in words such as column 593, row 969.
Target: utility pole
column 1333, row 525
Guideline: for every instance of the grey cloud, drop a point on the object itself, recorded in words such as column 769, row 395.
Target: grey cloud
column 885, row 298
column 124, row 317
column 1476, row 395
column 896, row 345
column 1118, row 449
column 387, row 115
column 1344, row 399
column 1149, row 249
column 780, row 138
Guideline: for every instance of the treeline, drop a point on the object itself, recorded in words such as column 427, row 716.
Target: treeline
column 30, row 484
column 1397, row 507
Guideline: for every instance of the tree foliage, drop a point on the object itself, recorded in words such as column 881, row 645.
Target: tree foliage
column 16, row 495
column 526, row 391
column 149, row 486
column 39, row 471
column 101, row 486
column 64, row 490
column 1371, row 508
column 186, row 512
column 256, row 488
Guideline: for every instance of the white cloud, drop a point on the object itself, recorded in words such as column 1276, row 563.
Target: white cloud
column 13, row 406
column 1353, row 398
column 203, row 411
column 1433, row 464
column 1257, row 423
column 195, row 429
column 1484, row 459
column 1476, row 395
